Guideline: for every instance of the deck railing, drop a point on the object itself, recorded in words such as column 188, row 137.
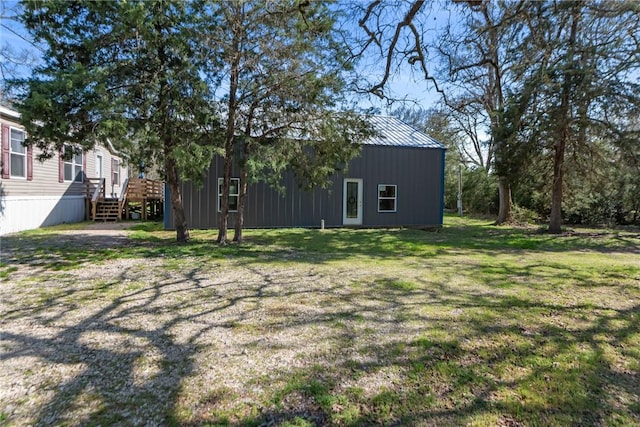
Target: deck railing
column 122, row 200
column 142, row 188
column 96, row 190
column 148, row 192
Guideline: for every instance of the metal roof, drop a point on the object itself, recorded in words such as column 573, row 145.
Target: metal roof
column 392, row 131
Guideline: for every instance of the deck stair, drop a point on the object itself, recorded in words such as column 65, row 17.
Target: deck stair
column 99, row 206
column 107, row 210
column 139, row 195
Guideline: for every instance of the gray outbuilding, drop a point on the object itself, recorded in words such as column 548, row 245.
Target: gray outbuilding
column 397, row 180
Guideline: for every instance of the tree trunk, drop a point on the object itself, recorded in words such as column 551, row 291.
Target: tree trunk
column 504, row 210
column 229, row 142
column 224, row 204
column 563, row 128
column 555, row 220
column 244, row 175
column 179, row 218
column 171, row 167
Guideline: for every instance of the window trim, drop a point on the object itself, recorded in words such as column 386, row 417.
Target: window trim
column 394, row 198
column 24, row 155
column 220, row 183
column 74, row 166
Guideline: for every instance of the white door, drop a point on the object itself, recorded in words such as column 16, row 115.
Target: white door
column 99, row 169
column 352, row 202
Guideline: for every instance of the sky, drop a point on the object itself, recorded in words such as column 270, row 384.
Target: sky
column 402, row 85
column 12, row 44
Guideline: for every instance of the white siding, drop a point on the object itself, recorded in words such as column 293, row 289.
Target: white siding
column 27, row 212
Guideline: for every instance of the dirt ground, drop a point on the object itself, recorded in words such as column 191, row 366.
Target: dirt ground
column 137, row 340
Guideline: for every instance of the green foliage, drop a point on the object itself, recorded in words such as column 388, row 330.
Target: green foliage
column 523, row 216
column 601, row 188
column 601, row 185
column 133, row 73
column 329, row 142
column 479, row 191
column 332, row 141
column 287, row 72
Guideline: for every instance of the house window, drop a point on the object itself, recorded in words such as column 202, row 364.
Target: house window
column 72, row 164
column 387, row 198
column 116, row 172
column 234, row 194
column 18, row 153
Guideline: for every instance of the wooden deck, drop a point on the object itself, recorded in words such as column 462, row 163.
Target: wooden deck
column 145, row 194
column 139, row 195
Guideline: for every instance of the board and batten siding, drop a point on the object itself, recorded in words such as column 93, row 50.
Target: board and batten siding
column 417, row 173
column 43, row 199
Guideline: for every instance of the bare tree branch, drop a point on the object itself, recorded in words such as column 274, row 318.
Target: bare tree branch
column 413, row 55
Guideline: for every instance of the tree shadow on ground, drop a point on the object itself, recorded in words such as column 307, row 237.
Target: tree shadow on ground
column 487, row 356
column 129, row 360
column 526, row 375
column 121, row 374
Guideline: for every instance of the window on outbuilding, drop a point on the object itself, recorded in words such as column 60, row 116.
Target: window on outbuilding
column 234, row 194
column 387, row 198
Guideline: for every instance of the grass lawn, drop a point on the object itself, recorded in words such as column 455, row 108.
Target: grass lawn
column 468, row 325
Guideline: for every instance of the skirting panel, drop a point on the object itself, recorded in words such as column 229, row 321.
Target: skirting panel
column 25, row 213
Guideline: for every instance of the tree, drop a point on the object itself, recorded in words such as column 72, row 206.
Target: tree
column 571, row 76
column 132, row 72
column 547, row 78
column 283, row 83
column 487, row 70
column 477, row 58
column 590, row 81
